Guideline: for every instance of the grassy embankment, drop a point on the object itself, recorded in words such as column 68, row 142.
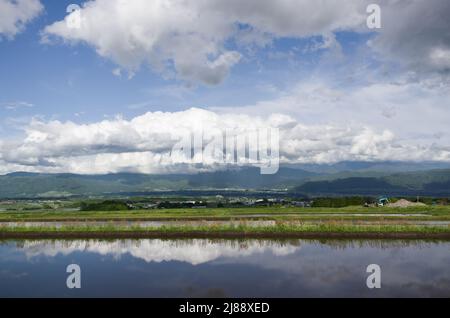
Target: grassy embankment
column 280, row 230
column 291, row 222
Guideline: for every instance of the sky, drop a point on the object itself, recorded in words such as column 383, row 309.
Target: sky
column 116, row 89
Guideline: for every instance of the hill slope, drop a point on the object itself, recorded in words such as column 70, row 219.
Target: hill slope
column 21, row 185
column 431, row 183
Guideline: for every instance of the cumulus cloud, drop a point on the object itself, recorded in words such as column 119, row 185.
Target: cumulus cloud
column 405, row 118
column 146, row 143
column 415, row 112
column 15, row 14
column 191, row 38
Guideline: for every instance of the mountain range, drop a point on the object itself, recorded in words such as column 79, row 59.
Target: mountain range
column 313, row 180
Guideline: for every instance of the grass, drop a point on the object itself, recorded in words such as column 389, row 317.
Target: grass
column 290, row 221
column 437, row 212
column 279, row 229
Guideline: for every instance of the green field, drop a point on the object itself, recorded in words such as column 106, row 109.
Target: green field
column 411, row 213
column 240, row 231
column 291, row 222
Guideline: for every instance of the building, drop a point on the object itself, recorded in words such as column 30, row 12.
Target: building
column 382, row 201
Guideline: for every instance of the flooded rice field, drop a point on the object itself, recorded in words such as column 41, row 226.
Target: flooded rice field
column 224, row 268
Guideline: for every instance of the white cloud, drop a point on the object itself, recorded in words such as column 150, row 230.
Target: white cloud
column 440, row 58
column 144, row 144
column 16, row 105
column 416, row 112
column 405, row 118
column 14, row 15
column 117, row 72
column 190, row 37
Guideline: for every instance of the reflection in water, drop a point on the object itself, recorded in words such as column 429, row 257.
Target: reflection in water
column 130, row 224
column 249, row 223
column 191, row 251
column 225, row 268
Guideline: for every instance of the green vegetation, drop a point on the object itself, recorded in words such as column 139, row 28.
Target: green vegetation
column 382, row 181
column 110, row 205
column 341, row 202
column 320, row 219
column 29, row 185
column 299, row 201
column 431, row 182
column 279, row 230
column 260, row 212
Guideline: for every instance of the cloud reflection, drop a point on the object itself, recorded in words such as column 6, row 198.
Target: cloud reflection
column 194, row 252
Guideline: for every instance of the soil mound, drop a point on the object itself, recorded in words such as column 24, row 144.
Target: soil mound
column 402, row 203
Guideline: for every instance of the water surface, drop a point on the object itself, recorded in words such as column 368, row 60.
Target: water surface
column 224, row 268
column 195, row 223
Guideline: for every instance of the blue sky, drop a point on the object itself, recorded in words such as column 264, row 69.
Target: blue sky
column 337, row 89
column 72, row 82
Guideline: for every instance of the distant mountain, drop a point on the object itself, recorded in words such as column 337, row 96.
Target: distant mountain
column 385, row 167
column 431, row 183
column 362, row 179
column 250, row 178
column 23, row 185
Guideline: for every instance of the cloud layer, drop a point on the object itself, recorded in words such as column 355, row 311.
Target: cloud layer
column 193, row 38
column 145, row 143
column 415, row 34
column 200, row 41
column 416, row 112
column 394, row 109
column 14, row 15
